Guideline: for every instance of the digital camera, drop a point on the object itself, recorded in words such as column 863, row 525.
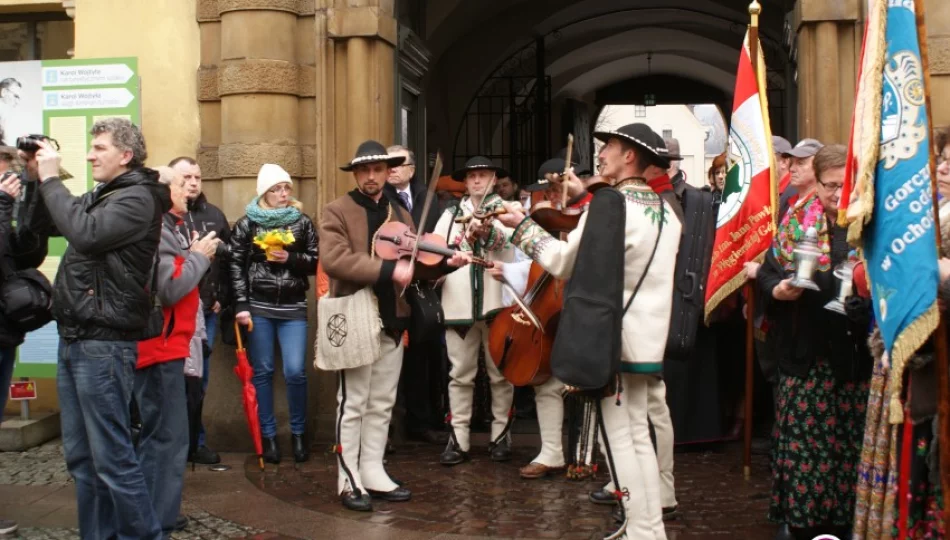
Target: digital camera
column 30, row 143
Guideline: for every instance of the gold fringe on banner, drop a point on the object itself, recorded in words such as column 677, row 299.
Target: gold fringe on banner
column 731, row 286
column 907, row 343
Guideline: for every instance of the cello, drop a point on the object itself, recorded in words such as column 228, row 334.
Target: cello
column 521, row 350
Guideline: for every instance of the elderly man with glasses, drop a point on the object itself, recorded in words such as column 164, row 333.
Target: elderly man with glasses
column 421, row 383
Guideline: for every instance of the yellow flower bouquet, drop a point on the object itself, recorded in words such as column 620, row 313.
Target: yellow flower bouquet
column 271, row 241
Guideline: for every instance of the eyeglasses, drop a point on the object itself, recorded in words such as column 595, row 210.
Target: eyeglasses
column 831, row 187
column 282, row 188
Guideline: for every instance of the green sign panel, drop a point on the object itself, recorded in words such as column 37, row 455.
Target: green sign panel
column 63, row 99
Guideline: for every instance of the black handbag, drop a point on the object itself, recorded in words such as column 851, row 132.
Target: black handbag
column 27, row 299
column 427, row 320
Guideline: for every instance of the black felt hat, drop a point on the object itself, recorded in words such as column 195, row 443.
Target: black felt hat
column 638, row 134
column 555, row 166
column 372, row 152
column 476, row 163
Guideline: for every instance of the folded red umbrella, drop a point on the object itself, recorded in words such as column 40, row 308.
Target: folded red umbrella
column 249, row 394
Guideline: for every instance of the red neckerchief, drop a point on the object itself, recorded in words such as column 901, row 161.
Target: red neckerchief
column 661, row 184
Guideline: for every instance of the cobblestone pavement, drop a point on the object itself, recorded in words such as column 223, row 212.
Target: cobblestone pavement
column 489, row 499
column 201, row 526
column 45, row 465
column 42, row 465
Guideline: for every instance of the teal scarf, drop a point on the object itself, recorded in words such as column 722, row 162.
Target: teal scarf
column 271, row 217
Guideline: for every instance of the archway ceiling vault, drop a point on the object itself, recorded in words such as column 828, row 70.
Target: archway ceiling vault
column 624, row 55
column 474, row 38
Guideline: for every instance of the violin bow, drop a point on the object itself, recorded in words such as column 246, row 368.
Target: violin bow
column 481, row 204
column 420, row 227
column 567, row 165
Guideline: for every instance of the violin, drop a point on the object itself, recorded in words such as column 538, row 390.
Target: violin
column 481, row 215
column 395, row 241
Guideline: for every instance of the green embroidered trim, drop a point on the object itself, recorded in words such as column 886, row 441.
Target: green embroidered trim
column 649, row 368
column 519, row 230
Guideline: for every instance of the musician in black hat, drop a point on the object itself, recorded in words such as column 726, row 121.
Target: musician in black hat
column 650, row 242
column 469, row 300
column 366, row 394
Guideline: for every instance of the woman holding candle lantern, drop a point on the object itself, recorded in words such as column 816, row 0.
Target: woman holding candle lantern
column 273, row 254
column 824, row 364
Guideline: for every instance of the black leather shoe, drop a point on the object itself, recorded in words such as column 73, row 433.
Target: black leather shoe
column 271, row 450
column 181, row 523
column 400, row 494
column 205, row 456
column 429, row 436
column 301, row 452
column 357, row 503
column 602, row 497
column 502, row 450
column 452, row 455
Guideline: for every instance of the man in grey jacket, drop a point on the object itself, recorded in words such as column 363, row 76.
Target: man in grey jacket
column 159, row 375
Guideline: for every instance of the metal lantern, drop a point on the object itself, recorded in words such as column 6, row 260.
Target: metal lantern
column 806, row 261
column 845, row 273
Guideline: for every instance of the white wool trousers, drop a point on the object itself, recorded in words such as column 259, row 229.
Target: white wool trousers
column 659, row 416
column 463, row 355
column 549, row 399
column 365, row 398
column 659, row 413
column 628, row 434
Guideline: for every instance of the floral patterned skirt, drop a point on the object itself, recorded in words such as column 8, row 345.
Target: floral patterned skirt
column 817, row 443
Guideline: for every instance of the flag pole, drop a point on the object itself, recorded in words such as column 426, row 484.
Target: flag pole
column 940, row 335
column 754, row 10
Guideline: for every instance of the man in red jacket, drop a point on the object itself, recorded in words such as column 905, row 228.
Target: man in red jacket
column 159, row 376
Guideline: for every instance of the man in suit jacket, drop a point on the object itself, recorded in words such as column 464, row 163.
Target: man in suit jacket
column 421, row 383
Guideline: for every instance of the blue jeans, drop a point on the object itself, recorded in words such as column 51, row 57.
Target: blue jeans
column 292, row 335
column 211, row 328
column 94, row 381
column 163, row 446
column 7, row 361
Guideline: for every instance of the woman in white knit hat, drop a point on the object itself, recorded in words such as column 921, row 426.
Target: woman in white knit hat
column 270, row 291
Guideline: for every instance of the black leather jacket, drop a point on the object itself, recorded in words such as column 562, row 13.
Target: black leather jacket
column 254, row 279
column 100, row 290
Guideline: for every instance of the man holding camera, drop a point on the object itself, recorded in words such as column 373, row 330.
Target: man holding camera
column 104, row 304
column 205, row 218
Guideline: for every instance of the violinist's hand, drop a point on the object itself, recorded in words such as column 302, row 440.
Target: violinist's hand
column 786, row 292
column 460, row 259
column 575, row 187
column 402, row 274
column 513, row 216
column 497, row 271
column 480, row 229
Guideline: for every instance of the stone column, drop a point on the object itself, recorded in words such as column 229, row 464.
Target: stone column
column 829, row 44
column 938, row 30
column 355, row 64
column 256, row 93
column 353, row 54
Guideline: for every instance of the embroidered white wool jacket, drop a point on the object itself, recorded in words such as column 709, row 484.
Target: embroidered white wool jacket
column 470, row 294
column 647, row 322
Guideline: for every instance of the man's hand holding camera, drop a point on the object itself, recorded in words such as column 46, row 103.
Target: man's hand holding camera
column 10, row 184
column 47, row 161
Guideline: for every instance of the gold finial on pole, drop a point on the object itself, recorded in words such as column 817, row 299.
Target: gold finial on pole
column 755, row 8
